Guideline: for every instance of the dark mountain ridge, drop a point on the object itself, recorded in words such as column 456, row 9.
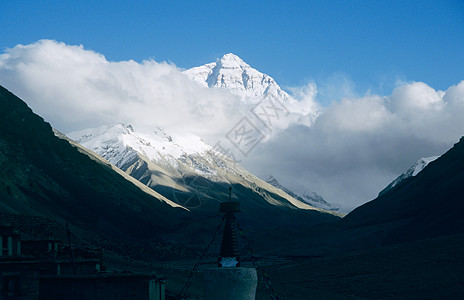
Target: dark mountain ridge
column 44, row 175
column 428, row 205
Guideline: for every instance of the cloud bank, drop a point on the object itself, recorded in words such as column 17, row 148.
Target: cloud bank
column 353, row 149
column 358, row 145
column 74, row 88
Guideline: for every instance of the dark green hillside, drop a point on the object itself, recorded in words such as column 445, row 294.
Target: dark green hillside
column 428, row 205
column 41, row 174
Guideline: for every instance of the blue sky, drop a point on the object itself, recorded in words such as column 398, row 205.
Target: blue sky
column 370, row 44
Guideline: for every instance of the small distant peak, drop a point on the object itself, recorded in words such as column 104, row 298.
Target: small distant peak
column 272, row 180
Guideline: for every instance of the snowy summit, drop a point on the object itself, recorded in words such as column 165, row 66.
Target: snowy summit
column 232, row 73
column 119, row 144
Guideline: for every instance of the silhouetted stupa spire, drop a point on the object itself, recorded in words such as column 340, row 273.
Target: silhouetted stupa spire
column 229, row 254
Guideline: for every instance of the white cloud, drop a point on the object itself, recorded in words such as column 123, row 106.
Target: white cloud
column 358, row 145
column 347, row 154
column 367, row 114
column 454, row 95
column 417, row 96
column 74, row 88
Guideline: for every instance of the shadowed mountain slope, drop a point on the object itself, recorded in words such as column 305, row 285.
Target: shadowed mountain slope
column 427, row 205
column 44, row 175
column 415, row 169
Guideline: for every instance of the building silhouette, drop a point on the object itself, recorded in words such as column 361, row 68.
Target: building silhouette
column 44, row 270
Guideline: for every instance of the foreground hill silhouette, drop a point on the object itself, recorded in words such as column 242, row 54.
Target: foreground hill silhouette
column 42, row 175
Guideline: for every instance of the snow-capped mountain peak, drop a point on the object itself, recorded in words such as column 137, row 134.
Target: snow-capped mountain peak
column 232, row 73
column 120, row 143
